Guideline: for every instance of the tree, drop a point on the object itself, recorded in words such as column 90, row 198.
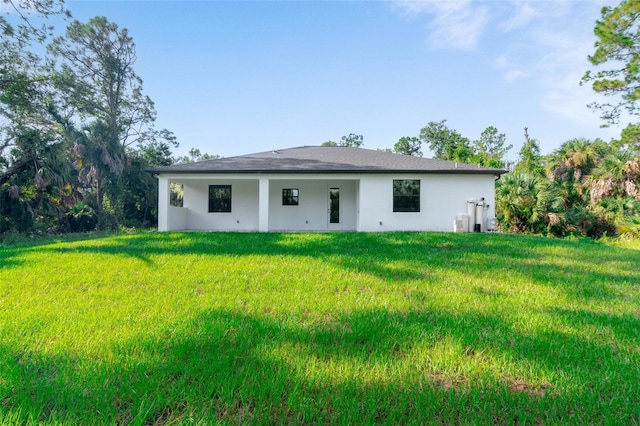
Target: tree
column 76, row 131
column 618, row 45
column 614, row 177
column 33, row 188
column 352, row 140
column 96, row 73
column 576, row 158
column 530, row 158
column 570, row 165
column 408, row 145
column 24, row 86
column 614, row 182
column 630, row 139
column 17, row 60
column 140, row 194
column 93, row 70
column 446, row 144
column 529, row 203
column 490, row 149
column 194, row 156
column 33, row 165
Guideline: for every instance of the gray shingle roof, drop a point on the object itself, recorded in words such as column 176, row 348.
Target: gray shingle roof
column 325, row 159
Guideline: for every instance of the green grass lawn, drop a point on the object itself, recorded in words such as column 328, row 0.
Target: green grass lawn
column 344, row 328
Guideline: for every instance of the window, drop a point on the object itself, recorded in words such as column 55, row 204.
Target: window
column 406, row 195
column 219, row 198
column 334, row 205
column 290, row 197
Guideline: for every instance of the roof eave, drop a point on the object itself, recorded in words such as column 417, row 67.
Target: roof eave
column 349, row 171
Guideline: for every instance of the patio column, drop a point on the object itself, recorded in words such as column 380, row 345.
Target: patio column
column 263, row 205
column 163, row 204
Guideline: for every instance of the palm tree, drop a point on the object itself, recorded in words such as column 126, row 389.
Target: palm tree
column 530, row 203
column 571, row 163
column 632, row 175
column 99, row 157
column 576, row 157
column 609, row 177
column 33, row 187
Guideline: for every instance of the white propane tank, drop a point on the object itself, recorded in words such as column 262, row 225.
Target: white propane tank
column 479, row 216
column 471, row 212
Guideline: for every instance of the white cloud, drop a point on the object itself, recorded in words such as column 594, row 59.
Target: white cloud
column 522, row 14
column 457, row 25
column 512, row 69
column 454, row 24
column 552, row 42
column 412, row 9
column 561, row 69
column 543, row 46
column 562, row 62
column 514, row 74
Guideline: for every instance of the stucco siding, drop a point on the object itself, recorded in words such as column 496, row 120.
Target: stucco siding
column 311, row 213
column 177, row 218
column 244, row 206
column 442, row 197
column 366, row 202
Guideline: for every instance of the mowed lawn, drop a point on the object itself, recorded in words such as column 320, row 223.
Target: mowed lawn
column 344, row 328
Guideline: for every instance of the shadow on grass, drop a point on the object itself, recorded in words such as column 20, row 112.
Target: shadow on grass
column 10, row 258
column 374, row 366
column 608, row 329
column 578, row 268
column 363, row 368
column 12, row 254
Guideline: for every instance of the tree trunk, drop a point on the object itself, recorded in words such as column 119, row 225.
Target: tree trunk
column 98, row 193
column 16, row 168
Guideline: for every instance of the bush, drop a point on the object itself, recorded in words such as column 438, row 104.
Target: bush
column 81, row 218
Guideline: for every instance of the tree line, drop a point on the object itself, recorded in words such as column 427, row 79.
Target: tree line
column 76, row 129
column 77, row 134
column 587, row 187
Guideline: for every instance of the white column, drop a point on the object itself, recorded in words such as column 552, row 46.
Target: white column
column 357, row 186
column 163, row 204
column 263, row 205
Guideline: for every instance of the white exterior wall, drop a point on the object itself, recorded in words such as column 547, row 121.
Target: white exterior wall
column 244, row 206
column 178, row 218
column 365, row 199
column 311, row 213
column 442, row 197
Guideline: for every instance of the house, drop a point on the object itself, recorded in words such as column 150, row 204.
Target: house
column 318, row 188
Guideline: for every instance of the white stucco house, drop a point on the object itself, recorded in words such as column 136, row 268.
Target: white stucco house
column 315, row 188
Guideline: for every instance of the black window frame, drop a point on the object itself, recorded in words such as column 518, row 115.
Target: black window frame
column 289, row 199
column 218, row 203
column 406, row 196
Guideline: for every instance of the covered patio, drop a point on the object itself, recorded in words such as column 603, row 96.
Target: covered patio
column 260, row 203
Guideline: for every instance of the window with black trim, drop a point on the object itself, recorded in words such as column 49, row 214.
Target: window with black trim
column 219, row 198
column 406, row 195
column 290, row 197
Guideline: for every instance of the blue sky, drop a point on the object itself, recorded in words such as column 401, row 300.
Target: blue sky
column 233, row 78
